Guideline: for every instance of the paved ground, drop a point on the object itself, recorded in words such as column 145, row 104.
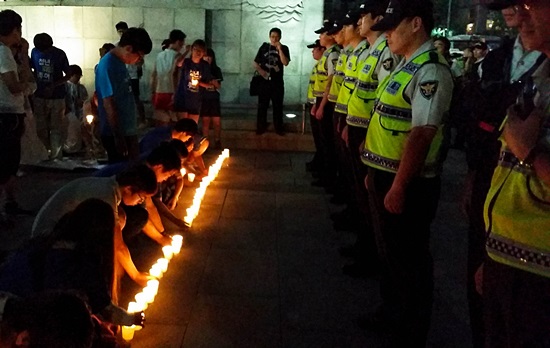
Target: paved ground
column 260, row 267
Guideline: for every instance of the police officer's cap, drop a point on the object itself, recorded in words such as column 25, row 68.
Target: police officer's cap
column 372, row 6
column 327, row 24
column 336, row 27
column 398, row 10
column 352, row 17
column 317, row 43
column 497, row 5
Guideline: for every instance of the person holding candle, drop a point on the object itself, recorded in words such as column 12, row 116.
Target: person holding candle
column 130, row 187
column 190, row 82
column 79, row 255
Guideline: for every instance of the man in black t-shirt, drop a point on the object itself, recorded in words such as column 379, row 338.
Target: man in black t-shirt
column 270, row 61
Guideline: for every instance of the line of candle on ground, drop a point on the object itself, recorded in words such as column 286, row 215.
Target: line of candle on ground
column 147, row 295
column 193, row 210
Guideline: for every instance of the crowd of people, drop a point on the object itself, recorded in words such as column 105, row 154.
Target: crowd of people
column 387, row 101
column 78, row 251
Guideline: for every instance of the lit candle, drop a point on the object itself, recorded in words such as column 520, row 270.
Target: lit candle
column 163, row 264
column 128, row 333
column 89, row 119
column 150, row 293
column 156, row 271
column 190, row 177
column 141, row 300
column 168, row 252
column 182, row 171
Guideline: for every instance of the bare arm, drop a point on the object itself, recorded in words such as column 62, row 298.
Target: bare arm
column 282, row 56
column 14, row 85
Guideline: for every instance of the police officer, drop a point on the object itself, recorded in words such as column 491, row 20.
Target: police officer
column 323, row 109
column 373, row 66
column 359, row 51
column 516, row 275
column 317, row 51
column 505, row 71
column 402, row 150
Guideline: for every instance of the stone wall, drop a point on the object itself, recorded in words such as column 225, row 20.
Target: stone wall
column 235, row 29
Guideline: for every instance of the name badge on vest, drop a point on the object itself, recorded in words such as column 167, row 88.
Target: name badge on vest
column 393, row 87
column 350, row 65
column 367, row 68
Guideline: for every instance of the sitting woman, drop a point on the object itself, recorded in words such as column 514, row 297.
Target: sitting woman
column 78, row 256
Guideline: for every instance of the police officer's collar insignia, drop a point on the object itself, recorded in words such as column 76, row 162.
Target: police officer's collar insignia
column 388, row 64
column 428, row 89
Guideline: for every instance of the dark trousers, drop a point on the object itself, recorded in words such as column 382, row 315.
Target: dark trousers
column 516, row 307
column 406, row 283
column 274, row 91
column 344, row 169
column 365, row 237
column 327, row 141
column 114, row 156
column 316, row 133
column 11, row 130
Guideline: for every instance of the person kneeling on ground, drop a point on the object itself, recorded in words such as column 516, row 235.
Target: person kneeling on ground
column 130, row 187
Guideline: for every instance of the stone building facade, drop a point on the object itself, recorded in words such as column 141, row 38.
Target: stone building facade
column 233, row 28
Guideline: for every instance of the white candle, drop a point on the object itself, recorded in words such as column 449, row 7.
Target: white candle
column 190, row 177
column 89, row 119
column 156, row 271
column 163, row 264
column 168, row 252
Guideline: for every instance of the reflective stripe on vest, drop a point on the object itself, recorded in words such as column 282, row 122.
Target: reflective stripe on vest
column 348, row 85
column 312, row 77
column 517, row 214
column 322, row 73
column 391, row 122
column 338, row 77
column 362, row 99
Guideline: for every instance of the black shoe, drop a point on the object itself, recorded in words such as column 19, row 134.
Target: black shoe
column 12, row 208
column 359, row 270
column 348, row 225
column 6, row 222
column 280, row 132
column 340, row 215
column 383, row 320
column 338, row 200
column 349, row 251
column 320, row 183
column 260, row 131
column 316, row 175
column 313, row 166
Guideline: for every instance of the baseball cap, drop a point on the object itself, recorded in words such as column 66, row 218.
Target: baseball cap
column 317, row 43
column 372, row 6
column 400, row 9
column 497, row 5
column 327, row 24
column 481, row 45
column 352, row 17
column 336, row 27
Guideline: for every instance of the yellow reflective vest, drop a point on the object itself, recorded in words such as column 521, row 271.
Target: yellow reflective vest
column 339, row 75
column 350, row 76
column 517, row 214
column 362, row 99
column 322, row 72
column 312, row 77
column 392, row 118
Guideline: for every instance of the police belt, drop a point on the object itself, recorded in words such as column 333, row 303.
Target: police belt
column 393, row 112
column 367, row 86
column 526, row 255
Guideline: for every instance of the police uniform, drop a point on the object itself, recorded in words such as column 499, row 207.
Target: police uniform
column 373, row 65
column 325, row 70
column 417, row 94
column 315, row 127
column 517, row 216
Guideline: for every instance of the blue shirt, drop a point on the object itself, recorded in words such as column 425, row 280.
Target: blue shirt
column 112, row 80
column 154, row 137
column 49, row 67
